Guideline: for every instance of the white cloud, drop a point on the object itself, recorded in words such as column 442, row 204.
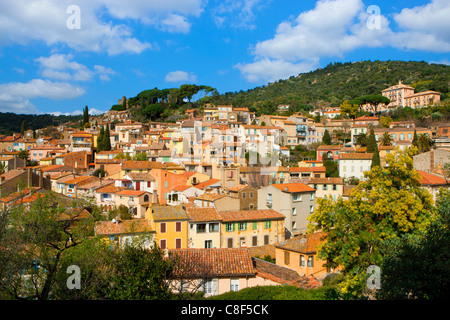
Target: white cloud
column 236, row 13
column 62, row 67
column 15, row 96
column 269, row 70
column 180, row 76
column 335, row 27
column 176, row 23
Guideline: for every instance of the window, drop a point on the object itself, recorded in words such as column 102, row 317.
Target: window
column 266, row 239
column 162, row 227
column 230, row 226
column 208, row 244
column 294, row 225
column 251, row 194
column 230, row 243
column 178, row 243
column 311, row 209
column 242, row 226
column 243, row 195
column 242, row 242
column 165, row 184
column 178, row 226
column 334, row 187
column 312, row 196
column 325, row 187
column 255, row 241
column 201, row 228
column 294, row 211
column 287, row 257
column 311, row 261
column 207, row 286
column 297, row 197
column 213, row 227
column 267, row 224
column 162, row 243
column 234, row 284
column 255, row 225
column 302, row 261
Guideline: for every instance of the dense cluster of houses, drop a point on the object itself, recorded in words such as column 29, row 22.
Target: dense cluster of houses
column 201, row 192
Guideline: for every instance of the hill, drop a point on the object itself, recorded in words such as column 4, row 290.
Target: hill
column 341, row 81
column 11, row 122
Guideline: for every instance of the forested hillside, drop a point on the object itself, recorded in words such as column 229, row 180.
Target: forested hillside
column 342, row 81
column 11, row 123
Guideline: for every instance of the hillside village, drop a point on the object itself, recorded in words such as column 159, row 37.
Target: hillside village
column 222, row 186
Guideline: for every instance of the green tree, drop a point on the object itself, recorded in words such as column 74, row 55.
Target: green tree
column 106, row 143
column 375, row 158
column 36, row 240
column 390, row 203
column 326, row 138
column 386, row 139
column 361, row 140
column 350, row 108
column 374, row 100
column 371, row 142
column 425, row 143
column 385, row 121
column 23, row 128
column 85, row 115
column 140, row 274
column 415, row 140
column 100, row 139
column 417, row 267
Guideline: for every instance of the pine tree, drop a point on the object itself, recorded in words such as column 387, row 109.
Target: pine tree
column 326, row 138
column 371, row 142
column 106, row 144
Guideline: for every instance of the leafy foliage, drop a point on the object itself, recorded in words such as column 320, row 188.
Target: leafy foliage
column 390, row 203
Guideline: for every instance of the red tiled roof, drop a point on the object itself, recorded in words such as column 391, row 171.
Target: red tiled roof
column 356, row 156
column 216, row 262
column 293, row 187
column 123, row 227
column 250, row 215
column 205, row 184
column 303, row 244
column 129, row 192
column 198, row 214
column 432, row 179
column 308, row 169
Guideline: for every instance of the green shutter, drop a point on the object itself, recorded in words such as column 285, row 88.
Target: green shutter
column 255, row 225
column 245, row 226
column 233, row 226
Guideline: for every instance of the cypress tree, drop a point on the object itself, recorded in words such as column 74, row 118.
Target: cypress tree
column 100, row 139
column 371, row 142
column 415, row 140
column 85, row 115
column 106, row 140
column 326, row 137
column 375, row 158
column 23, row 128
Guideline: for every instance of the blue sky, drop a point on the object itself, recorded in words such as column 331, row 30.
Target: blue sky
column 56, row 56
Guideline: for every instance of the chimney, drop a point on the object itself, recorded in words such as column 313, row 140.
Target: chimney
column 432, row 160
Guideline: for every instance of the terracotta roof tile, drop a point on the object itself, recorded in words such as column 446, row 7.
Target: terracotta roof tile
column 356, row 156
column 303, row 244
column 130, row 192
column 250, row 215
column 432, row 179
column 123, row 227
column 161, row 213
column 216, row 262
column 293, row 187
column 198, row 214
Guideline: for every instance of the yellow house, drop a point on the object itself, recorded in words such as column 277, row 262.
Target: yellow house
column 170, row 224
column 251, row 228
column 300, row 254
